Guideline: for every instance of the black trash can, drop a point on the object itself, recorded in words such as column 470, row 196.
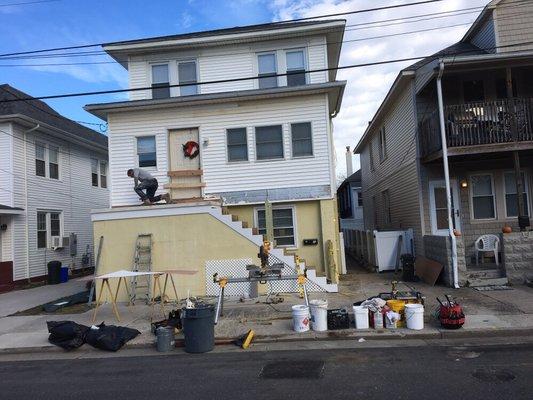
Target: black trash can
column 54, row 272
column 408, row 267
column 199, row 328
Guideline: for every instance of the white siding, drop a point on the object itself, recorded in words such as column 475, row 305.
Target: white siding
column 72, row 194
column 6, row 238
column 514, row 25
column 228, row 62
column 212, row 122
column 397, row 173
column 6, row 160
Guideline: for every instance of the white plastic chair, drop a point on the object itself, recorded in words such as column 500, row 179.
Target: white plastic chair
column 487, row 243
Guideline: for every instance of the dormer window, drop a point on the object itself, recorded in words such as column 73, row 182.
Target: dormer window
column 295, row 67
column 187, row 75
column 160, row 82
column 267, row 70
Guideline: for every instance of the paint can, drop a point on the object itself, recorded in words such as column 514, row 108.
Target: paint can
column 414, row 316
column 360, row 315
column 300, row 318
column 319, row 315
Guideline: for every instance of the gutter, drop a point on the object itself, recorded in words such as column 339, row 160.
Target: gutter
column 447, row 176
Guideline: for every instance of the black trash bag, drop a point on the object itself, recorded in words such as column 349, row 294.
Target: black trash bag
column 67, row 334
column 110, row 338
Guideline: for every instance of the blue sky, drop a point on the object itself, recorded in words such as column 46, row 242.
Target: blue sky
column 74, row 22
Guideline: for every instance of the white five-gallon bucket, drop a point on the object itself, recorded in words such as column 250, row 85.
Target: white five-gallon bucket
column 360, row 315
column 414, row 316
column 319, row 315
column 300, row 318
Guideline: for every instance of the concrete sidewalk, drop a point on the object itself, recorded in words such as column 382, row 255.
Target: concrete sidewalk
column 495, row 313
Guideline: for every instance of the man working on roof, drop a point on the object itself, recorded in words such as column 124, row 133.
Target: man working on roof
column 147, row 183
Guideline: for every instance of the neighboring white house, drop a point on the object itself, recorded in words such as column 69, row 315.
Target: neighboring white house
column 265, row 134
column 53, row 171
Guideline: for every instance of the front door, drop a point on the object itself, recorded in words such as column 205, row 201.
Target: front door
column 184, row 172
column 439, row 209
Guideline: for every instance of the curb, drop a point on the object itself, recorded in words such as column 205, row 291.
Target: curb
column 329, row 336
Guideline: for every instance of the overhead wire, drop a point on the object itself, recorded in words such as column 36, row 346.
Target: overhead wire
column 28, row 3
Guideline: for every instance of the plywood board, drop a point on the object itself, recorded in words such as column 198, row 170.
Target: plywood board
column 428, row 270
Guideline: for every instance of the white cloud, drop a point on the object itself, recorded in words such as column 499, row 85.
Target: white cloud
column 368, row 86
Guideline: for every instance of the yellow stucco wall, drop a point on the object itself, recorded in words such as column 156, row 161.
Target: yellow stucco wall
column 314, row 220
column 179, row 242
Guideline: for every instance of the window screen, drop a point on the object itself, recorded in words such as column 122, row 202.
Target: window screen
column 40, row 160
column 103, row 174
column 94, row 172
column 53, row 163
column 269, row 142
column 187, row 74
column 55, row 224
column 283, row 225
column 160, row 82
column 302, row 142
column 267, row 71
column 146, row 151
column 41, row 230
column 483, row 197
column 295, row 68
column 237, row 144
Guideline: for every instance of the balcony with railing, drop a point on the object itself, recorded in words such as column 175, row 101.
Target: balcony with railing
column 480, row 126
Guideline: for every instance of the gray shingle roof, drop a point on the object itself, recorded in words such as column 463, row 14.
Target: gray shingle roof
column 463, row 49
column 42, row 112
column 226, row 31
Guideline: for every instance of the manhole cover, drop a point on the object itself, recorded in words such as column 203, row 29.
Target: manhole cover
column 490, row 375
column 292, row 370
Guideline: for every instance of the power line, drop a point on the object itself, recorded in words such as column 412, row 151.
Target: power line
column 270, row 23
column 315, row 45
column 28, row 2
column 368, row 64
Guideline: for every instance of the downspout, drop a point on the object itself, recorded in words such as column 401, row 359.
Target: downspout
column 26, row 233
column 447, row 176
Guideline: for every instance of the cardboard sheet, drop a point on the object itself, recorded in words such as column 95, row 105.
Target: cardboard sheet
column 428, row 270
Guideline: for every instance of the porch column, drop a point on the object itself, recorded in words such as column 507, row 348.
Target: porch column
column 516, row 156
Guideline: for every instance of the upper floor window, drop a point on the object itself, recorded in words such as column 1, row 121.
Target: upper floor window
column 302, row 141
column 382, row 144
column 160, row 81
column 187, row 75
column 267, row 70
column 98, row 170
column 103, row 174
column 237, row 144
column 94, row 172
column 295, row 67
column 146, row 151
column 269, row 142
column 483, row 199
column 46, row 155
column 511, row 200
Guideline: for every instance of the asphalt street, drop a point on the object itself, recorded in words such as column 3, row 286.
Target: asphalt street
column 431, row 372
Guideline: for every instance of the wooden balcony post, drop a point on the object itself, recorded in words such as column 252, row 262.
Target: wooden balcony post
column 519, row 191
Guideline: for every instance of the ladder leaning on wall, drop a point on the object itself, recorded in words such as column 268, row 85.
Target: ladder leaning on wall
column 142, row 262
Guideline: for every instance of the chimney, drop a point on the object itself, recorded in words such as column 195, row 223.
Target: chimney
column 349, row 164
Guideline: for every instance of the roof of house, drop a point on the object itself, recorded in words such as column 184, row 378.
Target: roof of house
column 226, row 31
column 42, row 112
column 353, row 178
column 460, row 48
column 3, row 207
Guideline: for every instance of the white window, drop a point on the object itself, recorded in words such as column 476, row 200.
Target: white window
column 382, row 144
column 40, row 159
column 483, row 199
column 295, row 67
column 187, row 76
column 237, row 144
column 511, row 201
column 103, row 174
column 269, row 142
column 283, row 224
column 94, row 172
column 267, row 70
column 46, row 160
column 160, row 82
column 146, row 151
column 302, row 139
column 48, row 226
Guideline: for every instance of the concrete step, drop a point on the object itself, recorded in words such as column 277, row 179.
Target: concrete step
column 485, row 274
column 487, row 282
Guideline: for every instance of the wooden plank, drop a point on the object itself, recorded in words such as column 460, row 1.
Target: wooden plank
column 184, row 185
column 428, row 270
column 185, row 172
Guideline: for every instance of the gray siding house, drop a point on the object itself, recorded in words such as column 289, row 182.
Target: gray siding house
column 448, row 140
column 53, row 171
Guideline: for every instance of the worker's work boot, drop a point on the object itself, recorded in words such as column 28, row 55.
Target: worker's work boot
column 166, row 197
column 147, row 202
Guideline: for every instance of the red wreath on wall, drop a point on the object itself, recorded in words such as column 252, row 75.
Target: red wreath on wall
column 191, row 149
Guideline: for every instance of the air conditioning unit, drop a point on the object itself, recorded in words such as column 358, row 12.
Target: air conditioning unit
column 59, row 243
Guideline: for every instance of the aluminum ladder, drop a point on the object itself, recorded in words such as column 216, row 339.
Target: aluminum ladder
column 142, row 262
